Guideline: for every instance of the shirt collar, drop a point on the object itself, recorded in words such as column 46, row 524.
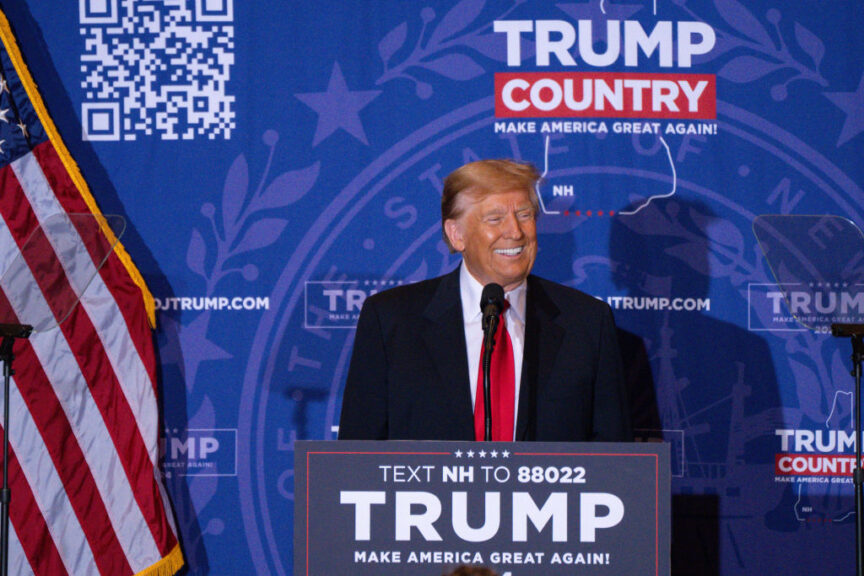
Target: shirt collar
column 471, row 292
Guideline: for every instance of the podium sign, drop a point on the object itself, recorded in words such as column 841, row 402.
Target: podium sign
column 399, row 507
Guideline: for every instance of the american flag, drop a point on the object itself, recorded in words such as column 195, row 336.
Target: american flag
column 87, row 497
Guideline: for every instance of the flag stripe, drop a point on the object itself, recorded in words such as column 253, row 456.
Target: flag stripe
column 101, row 420
column 138, row 365
column 19, row 563
column 36, row 469
column 114, row 274
column 126, row 358
column 117, row 357
column 24, row 513
column 73, row 466
column 50, row 415
column 61, row 515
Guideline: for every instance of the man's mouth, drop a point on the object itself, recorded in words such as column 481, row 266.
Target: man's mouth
column 510, row 251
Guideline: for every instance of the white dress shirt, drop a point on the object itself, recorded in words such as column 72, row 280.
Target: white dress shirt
column 471, row 292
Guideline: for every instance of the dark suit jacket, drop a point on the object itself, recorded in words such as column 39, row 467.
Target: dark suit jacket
column 408, row 377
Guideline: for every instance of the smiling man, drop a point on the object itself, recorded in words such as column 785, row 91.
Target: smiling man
column 415, row 368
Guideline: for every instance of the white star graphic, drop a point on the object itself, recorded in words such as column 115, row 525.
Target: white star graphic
column 852, row 105
column 458, row 453
column 470, row 453
column 482, row 453
column 338, row 107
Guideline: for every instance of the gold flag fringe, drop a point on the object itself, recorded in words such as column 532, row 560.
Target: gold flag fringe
column 168, row 566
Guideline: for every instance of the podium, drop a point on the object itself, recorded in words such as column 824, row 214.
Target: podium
column 425, row 507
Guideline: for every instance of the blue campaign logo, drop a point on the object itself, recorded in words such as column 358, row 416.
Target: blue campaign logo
column 200, row 452
column 337, row 304
column 802, row 306
column 767, row 311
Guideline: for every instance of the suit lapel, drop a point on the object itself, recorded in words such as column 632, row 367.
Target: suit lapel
column 543, row 338
column 444, row 336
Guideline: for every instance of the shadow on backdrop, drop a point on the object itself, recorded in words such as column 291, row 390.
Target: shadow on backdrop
column 714, row 381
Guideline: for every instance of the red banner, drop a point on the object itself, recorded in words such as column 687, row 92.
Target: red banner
column 605, row 95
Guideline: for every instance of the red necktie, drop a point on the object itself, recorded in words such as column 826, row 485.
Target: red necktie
column 503, row 387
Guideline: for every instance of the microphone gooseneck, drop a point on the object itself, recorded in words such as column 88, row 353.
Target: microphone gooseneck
column 491, row 304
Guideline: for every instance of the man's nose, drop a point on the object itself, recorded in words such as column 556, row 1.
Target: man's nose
column 512, row 227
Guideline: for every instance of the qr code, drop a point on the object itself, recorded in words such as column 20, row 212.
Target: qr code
column 157, row 68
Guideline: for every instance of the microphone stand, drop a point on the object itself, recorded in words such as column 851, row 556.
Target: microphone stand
column 856, row 333
column 8, row 332
column 489, row 330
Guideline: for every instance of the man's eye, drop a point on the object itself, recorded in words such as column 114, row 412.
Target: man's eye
column 526, row 215
column 494, row 219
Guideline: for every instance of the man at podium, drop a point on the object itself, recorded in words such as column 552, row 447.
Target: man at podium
column 556, row 373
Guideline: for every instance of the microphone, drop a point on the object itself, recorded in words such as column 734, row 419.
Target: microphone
column 491, row 304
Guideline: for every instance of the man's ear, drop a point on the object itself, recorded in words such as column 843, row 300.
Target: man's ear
column 454, row 233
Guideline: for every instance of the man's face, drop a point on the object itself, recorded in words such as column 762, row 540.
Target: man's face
column 497, row 236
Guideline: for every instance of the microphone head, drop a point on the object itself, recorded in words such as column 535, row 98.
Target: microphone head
column 492, row 294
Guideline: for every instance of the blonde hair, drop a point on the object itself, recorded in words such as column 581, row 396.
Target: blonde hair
column 484, row 177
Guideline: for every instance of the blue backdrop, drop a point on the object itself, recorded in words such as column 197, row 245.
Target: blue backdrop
column 279, row 161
